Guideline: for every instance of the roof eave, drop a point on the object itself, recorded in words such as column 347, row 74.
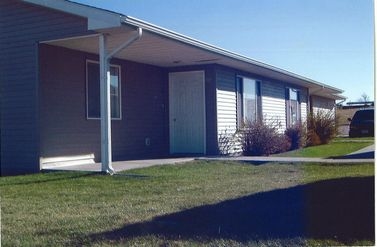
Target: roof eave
column 100, row 19
column 188, row 40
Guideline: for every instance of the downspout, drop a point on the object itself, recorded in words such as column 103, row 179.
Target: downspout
column 105, row 77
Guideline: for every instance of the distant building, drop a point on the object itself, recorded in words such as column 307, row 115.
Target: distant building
column 356, row 105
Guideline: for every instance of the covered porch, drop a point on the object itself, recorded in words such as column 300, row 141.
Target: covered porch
column 154, row 53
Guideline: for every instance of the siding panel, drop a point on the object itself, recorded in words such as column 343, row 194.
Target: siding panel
column 304, row 106
column 65, row 131
column 22, row 25
column 228, row 141
column 304, row 112
column 323, row 104
column 273, row 104
column 226, row 101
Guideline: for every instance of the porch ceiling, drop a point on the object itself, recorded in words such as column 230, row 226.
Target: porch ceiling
column 173, row 50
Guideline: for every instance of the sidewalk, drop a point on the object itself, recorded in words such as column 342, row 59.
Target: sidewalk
column 264, row 159
column 365, row 155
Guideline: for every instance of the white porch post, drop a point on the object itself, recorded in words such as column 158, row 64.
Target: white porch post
column 105, row 77
column 106, row 158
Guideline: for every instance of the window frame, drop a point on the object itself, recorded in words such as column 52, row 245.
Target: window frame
column 119, row 90
column 298, row 119
column 241, row 118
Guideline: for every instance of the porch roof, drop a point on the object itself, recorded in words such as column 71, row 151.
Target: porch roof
column 165, row 48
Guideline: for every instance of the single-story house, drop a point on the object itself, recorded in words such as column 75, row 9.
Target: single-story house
column 81, row 84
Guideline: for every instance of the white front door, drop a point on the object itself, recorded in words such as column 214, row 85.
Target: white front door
column 187, row 112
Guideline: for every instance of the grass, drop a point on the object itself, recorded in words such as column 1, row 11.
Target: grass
column 338, row 147
column 194, row 204
column 355, row 139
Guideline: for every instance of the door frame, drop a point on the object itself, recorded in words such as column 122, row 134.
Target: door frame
column 204, row 151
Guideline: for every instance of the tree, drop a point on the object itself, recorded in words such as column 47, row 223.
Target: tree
column 364, row 98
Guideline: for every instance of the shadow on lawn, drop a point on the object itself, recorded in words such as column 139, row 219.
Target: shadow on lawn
column 364, row 155
column 338, row 209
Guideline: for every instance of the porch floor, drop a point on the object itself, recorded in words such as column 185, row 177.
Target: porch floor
column 122, row 165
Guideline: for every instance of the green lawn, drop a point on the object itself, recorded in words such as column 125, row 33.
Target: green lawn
column 193, row 204
column 338, row 147
column 355, row 139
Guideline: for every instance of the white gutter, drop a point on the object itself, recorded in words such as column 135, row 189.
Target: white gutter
column 127, row 43
column 104, row 58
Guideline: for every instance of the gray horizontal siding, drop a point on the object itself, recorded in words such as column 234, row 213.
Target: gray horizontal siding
column 322, row 104
column 273, row 104
column 65, row 131
column 228, row 142
column 304, row 112
column 22, row 26
column 226, row 101
column 304, row 105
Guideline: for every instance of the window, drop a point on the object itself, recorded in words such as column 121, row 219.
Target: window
column 293, row 107
column 248, row 92
column 93, row 91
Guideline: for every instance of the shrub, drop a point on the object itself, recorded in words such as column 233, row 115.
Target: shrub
column 312, row 139
column 259, row 138
column 296, row 136
column 321, row 127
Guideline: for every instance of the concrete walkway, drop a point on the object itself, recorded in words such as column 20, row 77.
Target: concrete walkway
column 365, row 155
column 368, row 149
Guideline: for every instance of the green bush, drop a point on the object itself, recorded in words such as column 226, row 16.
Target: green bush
column 260, row 138
column 321, row 127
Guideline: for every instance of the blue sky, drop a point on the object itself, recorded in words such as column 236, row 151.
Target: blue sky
column 330, row 41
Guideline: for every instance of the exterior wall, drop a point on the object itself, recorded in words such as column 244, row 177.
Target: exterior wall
column 304, row 105
column 211, row 109
column 320, row 103
column 304, row 112
column 273, row 104
column 22, row 26
column 226, row 101
column 272, row 100
column 228, row 140
column 65, row 131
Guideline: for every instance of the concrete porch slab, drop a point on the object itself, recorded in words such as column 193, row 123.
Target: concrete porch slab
column 122, row 165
